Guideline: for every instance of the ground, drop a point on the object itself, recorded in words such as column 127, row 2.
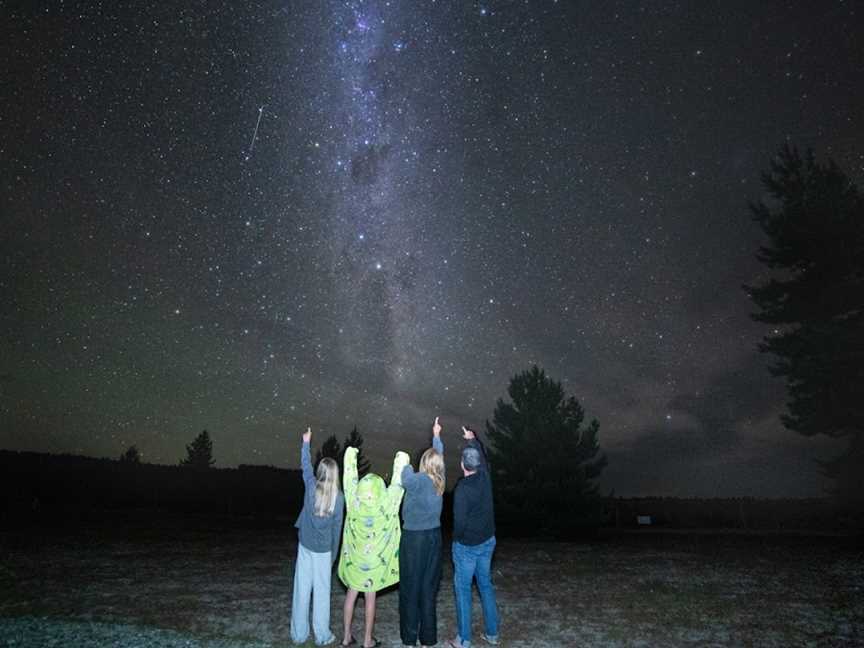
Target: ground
column 217, row 585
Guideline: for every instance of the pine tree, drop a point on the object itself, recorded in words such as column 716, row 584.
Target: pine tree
column 847, row 472
column 131, row 456
column 544, row 463
column 330, row 448
column 355, row 440
column 199, row 453
column 814, row 300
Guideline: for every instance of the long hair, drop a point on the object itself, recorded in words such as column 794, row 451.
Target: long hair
column 432, row 464
column 326, row 487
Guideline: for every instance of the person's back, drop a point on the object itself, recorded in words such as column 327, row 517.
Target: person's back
column 370, row 544
column 319, row 533
column 319, row 524
column 473, row 543
column 369, row 560
column 423, row 501
column 420, row 547
column 473, row 507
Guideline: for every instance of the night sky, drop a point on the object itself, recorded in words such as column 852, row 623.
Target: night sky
column 250, row 217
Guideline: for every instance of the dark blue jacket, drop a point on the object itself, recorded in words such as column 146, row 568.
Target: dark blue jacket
column 473, row 510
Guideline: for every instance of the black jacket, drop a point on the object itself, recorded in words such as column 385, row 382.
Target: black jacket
column 473, row 510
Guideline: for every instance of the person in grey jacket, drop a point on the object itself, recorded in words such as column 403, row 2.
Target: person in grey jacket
column 420, row 546
column 320, row 527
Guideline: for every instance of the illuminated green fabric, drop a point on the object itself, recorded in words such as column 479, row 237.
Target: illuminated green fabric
column 370, row 541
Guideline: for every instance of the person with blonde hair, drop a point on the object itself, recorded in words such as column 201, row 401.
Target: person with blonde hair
column 420, row 547
column 319, row 525
column 370, row 542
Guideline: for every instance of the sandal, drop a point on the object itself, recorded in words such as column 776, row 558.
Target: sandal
column 350, row 643
column 375, row 642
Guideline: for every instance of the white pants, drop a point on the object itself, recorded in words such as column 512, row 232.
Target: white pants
column 311, row 578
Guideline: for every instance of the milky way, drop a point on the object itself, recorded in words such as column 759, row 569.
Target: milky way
column 372, row 213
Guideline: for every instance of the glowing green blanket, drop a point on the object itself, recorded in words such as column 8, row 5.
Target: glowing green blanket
column 370, row 541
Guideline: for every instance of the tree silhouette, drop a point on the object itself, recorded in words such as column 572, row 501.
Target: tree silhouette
column 199, row 453
column 814, row 301
column 355, row 440
column 543, row 461
column 131, row 455
column 846, row 471
column 330, row 448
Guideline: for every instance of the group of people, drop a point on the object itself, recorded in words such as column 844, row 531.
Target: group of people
column 378, row 552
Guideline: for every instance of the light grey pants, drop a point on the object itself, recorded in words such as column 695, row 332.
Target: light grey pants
column 311, row 578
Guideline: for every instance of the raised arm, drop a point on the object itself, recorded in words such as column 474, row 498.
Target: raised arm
column 410, row 479
column 349, row 475
column 437, row 443
column 474, row 442
column 395, row 489
column 306, row 459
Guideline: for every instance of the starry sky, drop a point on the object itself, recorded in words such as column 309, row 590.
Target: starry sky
column 250, row 217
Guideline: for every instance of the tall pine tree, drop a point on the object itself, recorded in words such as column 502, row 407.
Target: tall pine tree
column 814, row 302
column 355, row 440
column 199, row 453
column 131, row 456
column 330, row 448
column 544, row 462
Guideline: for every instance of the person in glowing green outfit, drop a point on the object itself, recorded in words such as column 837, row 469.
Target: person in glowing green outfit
column 370, row 540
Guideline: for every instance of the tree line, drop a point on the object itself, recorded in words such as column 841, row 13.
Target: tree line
column 199, row 453
column 543, row 456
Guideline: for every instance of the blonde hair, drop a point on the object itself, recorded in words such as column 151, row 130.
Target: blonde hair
column 326, row 487
column 432, row 464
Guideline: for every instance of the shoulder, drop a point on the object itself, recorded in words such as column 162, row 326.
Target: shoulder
column 471, row 482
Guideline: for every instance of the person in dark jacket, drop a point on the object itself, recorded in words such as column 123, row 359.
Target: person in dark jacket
column 320, row 527
column 473, row 542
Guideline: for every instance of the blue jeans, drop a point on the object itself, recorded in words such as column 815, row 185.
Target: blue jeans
column 470, row 561
column 311, row 580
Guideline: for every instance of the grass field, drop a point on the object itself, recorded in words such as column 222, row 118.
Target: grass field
column 207, row 584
